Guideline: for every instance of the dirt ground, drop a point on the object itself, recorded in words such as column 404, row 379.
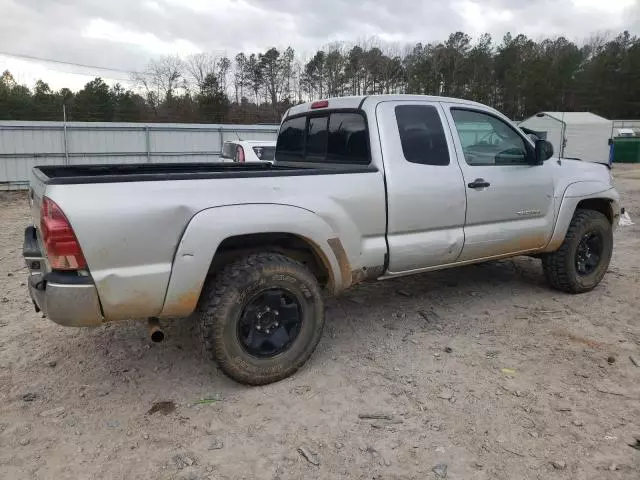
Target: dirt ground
column 479, row 373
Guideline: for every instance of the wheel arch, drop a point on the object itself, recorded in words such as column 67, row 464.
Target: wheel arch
column 216, row 236
column 587, row 196
column 602, row 205
column 294, row 246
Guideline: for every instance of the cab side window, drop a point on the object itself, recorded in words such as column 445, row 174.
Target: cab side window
column 421, row 134
column 486, row 140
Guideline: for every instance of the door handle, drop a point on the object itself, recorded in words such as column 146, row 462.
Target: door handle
column 479, row 183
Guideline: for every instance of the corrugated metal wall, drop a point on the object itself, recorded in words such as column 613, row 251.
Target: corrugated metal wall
column 632, row 124
column 24, row 145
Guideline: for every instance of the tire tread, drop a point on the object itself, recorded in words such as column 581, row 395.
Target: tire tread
column 555, row 264
column 218, row 296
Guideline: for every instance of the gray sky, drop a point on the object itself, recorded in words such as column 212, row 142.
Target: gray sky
column 125, row 34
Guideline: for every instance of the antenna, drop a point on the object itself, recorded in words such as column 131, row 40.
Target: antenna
column 563, row 140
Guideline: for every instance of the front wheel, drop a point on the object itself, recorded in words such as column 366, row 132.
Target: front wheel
column 580, row 263
column 262, row 318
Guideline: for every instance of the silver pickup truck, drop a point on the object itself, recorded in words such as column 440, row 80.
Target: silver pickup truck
column 362, row 188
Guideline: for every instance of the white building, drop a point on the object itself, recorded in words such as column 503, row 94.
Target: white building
column 586, row 135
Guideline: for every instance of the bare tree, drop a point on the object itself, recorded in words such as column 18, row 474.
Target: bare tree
column 298, row 86
column 161, row 78
column 199, row 66
column 595, row 43
column 223, row 67
column 240, row 76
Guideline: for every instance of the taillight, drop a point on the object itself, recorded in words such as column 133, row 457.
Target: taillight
column 240, row 154
column 61, row 244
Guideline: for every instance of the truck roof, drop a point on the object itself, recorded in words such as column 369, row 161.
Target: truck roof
column 356, row 102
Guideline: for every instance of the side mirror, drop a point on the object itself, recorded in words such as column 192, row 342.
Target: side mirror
column 544, row 151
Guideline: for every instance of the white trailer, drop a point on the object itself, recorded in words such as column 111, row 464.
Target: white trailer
column 580, row 135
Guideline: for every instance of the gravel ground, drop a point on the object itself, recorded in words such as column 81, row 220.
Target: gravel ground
column 475, row 373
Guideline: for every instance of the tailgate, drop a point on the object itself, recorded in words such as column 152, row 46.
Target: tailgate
column 37, row 188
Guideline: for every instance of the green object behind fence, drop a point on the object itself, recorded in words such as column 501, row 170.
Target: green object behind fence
column 626, row 150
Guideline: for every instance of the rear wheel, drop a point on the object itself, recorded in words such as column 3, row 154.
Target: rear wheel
column 582, row 260
column 262, row 318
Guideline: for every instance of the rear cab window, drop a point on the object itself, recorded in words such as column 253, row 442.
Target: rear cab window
column 291, row 140
column 327, row 137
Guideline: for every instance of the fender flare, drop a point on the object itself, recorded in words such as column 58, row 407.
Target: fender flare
column 209, row 228
column 573, row 195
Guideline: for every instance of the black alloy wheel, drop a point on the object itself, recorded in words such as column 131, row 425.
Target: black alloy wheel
column 270, row 323
column 589, row 253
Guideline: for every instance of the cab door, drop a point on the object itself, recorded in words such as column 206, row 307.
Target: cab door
column 425, row 192
column 510, row 203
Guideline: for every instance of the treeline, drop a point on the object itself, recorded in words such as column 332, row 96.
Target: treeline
column 518, row 76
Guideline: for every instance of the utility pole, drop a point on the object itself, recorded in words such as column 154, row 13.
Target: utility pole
column 64, row 130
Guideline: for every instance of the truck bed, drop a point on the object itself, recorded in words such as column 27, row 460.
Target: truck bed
column 148, row 172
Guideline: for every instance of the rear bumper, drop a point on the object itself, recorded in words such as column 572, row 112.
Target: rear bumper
column 66, row 298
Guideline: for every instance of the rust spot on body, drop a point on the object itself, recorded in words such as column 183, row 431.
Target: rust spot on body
column 134, row 304
column 185, row 304
column 358, row 276
column 364, row 274
column 351, row 277
column 343, row 261
column 517, row 245
column 324, row 262
column 139, row 307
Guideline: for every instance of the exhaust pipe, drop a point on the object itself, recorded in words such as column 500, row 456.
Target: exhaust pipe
column 155, row 330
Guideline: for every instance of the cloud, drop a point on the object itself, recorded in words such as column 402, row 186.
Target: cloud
column 99, row 29
column 125, row 34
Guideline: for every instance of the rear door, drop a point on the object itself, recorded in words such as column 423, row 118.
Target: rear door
column 426, row 194
column 509, row 201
